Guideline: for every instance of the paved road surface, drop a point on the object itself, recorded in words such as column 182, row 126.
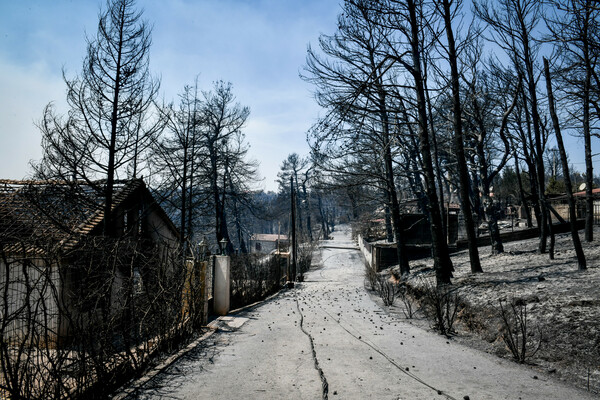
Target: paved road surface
column 327, row 339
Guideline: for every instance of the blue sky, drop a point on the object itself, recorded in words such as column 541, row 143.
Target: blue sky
column 258, row 45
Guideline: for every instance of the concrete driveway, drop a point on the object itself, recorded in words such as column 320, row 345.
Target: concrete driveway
column 326, row 338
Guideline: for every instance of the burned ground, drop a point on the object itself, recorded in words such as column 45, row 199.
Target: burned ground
column 562, row 304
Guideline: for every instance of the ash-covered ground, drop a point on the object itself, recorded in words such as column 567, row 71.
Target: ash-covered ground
column 562, row 304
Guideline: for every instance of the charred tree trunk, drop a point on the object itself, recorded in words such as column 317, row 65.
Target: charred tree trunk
column 438, row 169
column 463, row 171
column 109, row 226
column 539, row 150
column 396, row 219
column 307, row 211
column 215, row 194
column 190, row 197
column 552, row 238
column 587, row 137
column 581, row 262
column 441, row 255
column 522, row 196
column 529, row 155
column 324, row 224
column 389, row 231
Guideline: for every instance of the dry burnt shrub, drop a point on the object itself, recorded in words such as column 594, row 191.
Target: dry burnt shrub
column 516, row 331
column 198, row 283
column 29, row 359
column 402, row 292
column 382, row 285
column 440, row 304
column 240, row 281
column 124, row 304
column 387, row 289
column 372, row 277
column 253, row 277
column 305, row 255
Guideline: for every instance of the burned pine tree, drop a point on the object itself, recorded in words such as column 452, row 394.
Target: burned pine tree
column 178, row 157
column 353, row 83
column 448, row 12
column 110, row 122
column 487, row 110
column 406, row 47
column 222, row 142
column 575, row 32
column 581, row 262
column 513, row 25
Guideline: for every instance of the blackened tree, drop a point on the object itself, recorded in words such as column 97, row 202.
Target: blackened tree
column 513, row 24
column 178, row 156
column 581, row 262
column 109, row 125
column 575, row 31
column 221, row 131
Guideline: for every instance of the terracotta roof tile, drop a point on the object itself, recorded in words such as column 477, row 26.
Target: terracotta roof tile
column 54, row 212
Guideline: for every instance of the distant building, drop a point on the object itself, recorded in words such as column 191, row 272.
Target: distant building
column 266, row 242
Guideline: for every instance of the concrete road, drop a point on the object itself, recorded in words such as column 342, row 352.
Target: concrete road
column 327, row 339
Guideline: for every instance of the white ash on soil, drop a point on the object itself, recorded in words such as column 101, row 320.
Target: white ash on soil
column 562, row 303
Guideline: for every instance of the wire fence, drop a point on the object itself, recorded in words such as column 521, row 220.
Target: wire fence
column 76, row 325
column 255, row 276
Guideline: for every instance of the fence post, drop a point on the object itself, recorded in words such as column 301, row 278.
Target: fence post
column 204, row 292
column 222, row 288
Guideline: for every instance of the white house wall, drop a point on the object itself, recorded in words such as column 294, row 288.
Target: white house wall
column 158, row 230
column 28, row 302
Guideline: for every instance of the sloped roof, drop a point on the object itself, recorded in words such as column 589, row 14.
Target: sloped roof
column 268, row 237
column 57, row 213
column 595, row 193
column 578, row 195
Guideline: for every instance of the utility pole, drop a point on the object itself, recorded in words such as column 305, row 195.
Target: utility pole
column 293, row 227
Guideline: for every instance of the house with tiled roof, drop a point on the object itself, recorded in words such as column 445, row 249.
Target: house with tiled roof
column 51, row 238
column 265, row 243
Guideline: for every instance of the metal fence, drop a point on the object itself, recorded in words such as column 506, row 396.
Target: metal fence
column 581, row 211
column 76, row 325
column 255, row 276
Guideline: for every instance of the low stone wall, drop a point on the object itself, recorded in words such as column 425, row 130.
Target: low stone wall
column 366, row 249
column 383, row 255
column 380, row 256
